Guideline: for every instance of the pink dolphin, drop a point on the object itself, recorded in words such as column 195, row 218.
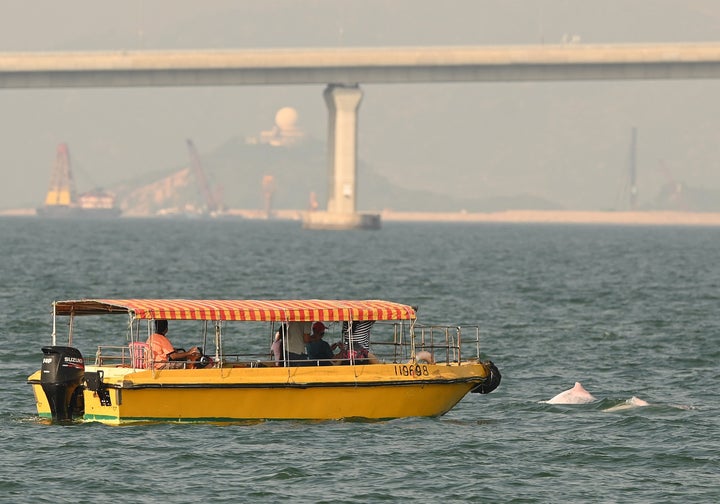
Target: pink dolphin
column 575, row 395
column 633, row 402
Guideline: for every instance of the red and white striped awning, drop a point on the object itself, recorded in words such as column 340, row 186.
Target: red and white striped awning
column 243, row 310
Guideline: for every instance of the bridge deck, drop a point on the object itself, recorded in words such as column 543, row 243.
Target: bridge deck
column 359, row 65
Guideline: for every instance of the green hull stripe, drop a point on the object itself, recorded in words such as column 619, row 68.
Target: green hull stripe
column 124, row 420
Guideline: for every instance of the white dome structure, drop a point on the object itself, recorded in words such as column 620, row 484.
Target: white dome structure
column 286, row 119
column 285, row 133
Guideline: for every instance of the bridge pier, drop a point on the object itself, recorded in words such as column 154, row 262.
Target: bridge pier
column 343, row 102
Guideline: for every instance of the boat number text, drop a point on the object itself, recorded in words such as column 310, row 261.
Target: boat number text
column 411, row 370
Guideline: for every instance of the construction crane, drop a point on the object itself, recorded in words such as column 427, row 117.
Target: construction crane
column 630, row 187
column 62, row 184
column 633, row 170
column 211, row 202
column 268, row 185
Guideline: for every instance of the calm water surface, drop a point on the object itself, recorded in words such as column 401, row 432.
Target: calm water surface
column 627, row 311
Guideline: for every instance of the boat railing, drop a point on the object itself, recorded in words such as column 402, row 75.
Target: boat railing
column 247, row 360
column 263, row 360
column 136, row 355
column 389, row 343
column 445, row 344
column 113, row 355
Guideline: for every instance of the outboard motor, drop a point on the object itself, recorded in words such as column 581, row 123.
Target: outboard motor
column 491, row 382
column 63, row 369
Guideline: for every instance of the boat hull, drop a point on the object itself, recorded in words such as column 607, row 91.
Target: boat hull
column 378, row 391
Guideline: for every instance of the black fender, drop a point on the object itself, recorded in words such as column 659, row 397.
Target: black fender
column 491, row 382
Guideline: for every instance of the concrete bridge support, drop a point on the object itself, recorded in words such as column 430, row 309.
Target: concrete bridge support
column 343, row 103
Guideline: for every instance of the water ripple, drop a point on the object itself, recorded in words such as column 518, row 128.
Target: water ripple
column 626, row 311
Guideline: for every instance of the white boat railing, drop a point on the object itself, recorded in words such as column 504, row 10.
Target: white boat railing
column 113, row 355
column 394, row 342
column 445, row 344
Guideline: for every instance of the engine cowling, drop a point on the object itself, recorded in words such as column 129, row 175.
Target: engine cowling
column 62, row 372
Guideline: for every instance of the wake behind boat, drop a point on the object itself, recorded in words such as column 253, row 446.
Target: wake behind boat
column 387, row 365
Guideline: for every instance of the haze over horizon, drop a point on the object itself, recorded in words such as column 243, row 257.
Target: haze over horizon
column 566, row 142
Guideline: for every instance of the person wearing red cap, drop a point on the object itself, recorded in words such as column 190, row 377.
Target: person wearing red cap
column 317, row 348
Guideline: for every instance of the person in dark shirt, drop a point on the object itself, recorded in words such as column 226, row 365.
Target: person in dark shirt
column 317, row 348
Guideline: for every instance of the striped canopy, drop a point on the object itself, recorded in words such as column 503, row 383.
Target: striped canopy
column 245, row 310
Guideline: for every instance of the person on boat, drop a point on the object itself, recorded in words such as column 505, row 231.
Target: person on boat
column 298, row 333
column 164, row 353
column 355, row 344
column 277, row 346
column 317, row 348
column 358, row 332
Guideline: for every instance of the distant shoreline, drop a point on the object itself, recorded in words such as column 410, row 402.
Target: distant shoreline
column 654, row 218
column 648, row 218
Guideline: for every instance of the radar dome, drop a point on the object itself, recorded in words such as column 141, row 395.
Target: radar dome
column 286, row 118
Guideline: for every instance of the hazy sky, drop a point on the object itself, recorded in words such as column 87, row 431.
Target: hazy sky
column 566, row 142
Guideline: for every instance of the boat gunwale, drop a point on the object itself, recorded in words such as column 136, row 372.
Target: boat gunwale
column 300, row 385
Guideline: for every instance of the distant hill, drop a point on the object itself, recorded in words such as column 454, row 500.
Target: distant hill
column 236, row 171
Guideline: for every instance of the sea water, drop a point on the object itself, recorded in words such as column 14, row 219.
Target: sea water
column 627, row 311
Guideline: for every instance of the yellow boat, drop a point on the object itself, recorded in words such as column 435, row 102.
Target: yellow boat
column 411, row 369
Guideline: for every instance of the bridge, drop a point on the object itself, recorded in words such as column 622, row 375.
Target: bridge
column 342, row 70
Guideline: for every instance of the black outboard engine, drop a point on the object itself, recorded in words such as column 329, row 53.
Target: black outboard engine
column 491, row 382
column 63, row 369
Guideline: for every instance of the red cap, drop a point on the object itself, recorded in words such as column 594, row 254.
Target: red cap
column 318, row 327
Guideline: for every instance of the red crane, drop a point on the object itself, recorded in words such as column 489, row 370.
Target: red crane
column 211, row 201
